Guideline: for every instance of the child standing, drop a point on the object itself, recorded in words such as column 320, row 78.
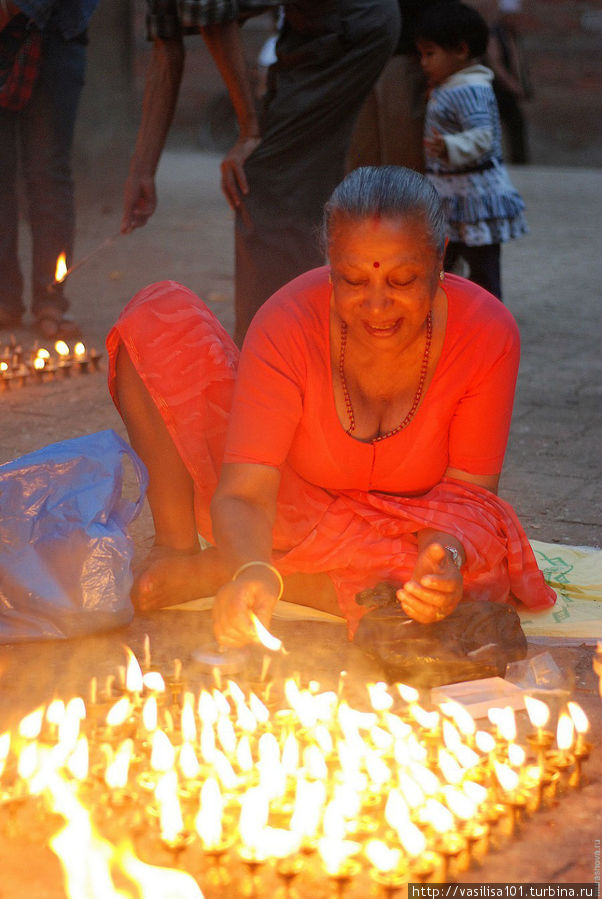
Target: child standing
column 462, row 140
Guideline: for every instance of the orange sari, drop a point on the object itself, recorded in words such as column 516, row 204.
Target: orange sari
column 188, row 363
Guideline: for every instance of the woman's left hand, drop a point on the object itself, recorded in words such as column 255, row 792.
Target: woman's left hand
column 435, row 588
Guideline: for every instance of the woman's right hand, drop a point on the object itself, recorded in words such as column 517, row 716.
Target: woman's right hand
column 232, row 609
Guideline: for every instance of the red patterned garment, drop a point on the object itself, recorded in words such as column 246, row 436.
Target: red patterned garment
column 345, row 507
column 20, row 58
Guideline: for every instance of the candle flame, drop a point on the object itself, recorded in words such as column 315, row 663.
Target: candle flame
column 565, row 733
column 507, row 777
column 80, row 350
column 118, row 713
column 264, row 636
column 188, row 724
column 579, row 718
column 459, row 715
column 42, row 353
column 171, row 822
column 31, row 724
column 55, row 711
column 78, row 761
column 153, row 681
column 149, row 714
column 516, row 755
column 244, row 756
column 537, row 711
column 189, row 764
column 116, row 772
column 39, row 363
column 226, row 734
column 484, row 741
column 61, row 348
column 383, row 857
column 407, row 693
column 155, row 881
column 4, row 749
column 61, row 268
column 163, row 753
column 254, row 811
column 133, row 674
column 208, row 822
column 380, row 698
column 505, row 722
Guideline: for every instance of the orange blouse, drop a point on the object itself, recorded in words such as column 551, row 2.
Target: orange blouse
column 284, row 409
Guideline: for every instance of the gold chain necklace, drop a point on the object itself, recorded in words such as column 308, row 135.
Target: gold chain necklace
column 417, row 395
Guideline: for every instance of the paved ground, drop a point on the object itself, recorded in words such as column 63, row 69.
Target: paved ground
column 552, row 473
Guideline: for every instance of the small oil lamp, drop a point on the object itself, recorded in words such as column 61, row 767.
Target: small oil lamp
column 39, row 367
column 541, row 739
column 582, row 748
column 175, row 682
column 387, row 869
column 6, row 376
column 511, row 795
column 209, row 827
column 80, row 357
column 563, row 759
column 64, row 354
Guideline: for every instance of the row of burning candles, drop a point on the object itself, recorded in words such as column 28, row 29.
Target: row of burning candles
column 18, row 368
column 314, row 785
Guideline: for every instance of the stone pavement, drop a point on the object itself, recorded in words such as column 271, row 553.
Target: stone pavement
column 552, row 473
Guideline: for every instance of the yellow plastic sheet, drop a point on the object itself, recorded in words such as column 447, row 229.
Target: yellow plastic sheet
column 575, row 574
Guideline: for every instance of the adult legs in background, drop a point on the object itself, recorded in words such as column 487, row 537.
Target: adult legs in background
column 514, row 128
column 389, row 128
column 484, row 264
column 46, row 127
column 316, row 91
column 11, row 279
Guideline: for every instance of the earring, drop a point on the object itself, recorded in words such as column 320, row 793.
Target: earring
column 441, row 275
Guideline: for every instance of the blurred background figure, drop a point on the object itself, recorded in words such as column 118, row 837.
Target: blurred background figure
column 36, row 130
column 512, row 84
column 389, row 127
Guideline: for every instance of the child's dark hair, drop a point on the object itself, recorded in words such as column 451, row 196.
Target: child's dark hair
column 450, row 24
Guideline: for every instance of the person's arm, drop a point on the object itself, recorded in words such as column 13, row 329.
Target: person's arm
column 161, row 88
column 8, row 10
column 243, row 510
column 225, row 45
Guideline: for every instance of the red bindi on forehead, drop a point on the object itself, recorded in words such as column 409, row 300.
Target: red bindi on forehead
column 376, row 264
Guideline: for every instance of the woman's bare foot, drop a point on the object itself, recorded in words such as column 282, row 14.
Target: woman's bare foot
column 170, row 576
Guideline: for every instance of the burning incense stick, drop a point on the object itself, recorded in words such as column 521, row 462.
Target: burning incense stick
column 60, row 276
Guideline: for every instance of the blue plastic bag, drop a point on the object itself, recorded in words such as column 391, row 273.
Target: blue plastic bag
column 65, row 554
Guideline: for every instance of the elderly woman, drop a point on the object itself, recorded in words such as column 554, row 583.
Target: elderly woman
column 358, row 438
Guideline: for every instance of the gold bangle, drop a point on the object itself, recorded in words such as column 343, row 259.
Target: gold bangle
column 274, row 571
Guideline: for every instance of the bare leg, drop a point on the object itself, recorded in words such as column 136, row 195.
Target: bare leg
column 176, row 570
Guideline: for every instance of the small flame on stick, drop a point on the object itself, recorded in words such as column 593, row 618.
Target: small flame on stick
column 61, row 269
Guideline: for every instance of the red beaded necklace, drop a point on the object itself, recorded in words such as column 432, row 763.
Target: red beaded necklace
column 417, row 395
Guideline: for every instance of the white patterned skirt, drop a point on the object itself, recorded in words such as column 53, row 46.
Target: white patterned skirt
column 481, row 207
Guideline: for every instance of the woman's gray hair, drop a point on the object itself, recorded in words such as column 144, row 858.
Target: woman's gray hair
column 389, row 191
